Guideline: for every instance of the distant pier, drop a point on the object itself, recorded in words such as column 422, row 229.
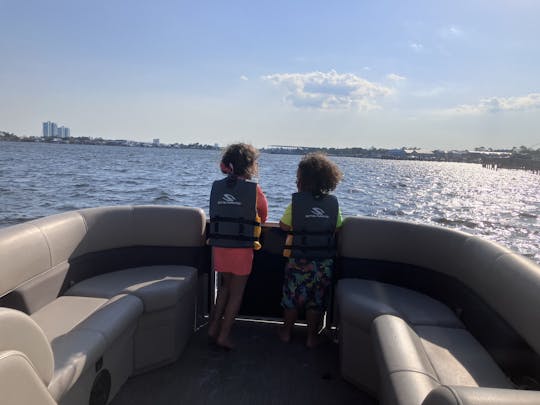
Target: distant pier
column 519, row 163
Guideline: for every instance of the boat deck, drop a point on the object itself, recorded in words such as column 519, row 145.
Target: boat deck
column 261, row 370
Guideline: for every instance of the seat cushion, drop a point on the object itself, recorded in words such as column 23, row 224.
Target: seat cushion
column 64, row 313
column 361, row 301
column 158, row 287
column 80, row 329
column 459, row 359
column 412, row 361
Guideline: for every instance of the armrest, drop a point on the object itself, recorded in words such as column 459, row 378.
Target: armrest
column 19, row 382
column 21, row 333
column 454, row 395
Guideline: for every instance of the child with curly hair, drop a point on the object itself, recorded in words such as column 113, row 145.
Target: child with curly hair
column 311, row 221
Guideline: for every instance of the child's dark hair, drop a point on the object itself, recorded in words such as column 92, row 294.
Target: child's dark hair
column 317, row 174
column 239, row 159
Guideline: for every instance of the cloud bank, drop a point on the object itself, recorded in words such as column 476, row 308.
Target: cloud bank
column 330, row 90
column 498, row 104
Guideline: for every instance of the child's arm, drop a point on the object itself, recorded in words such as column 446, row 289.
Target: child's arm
column 284, row 227
column 262, row 205
column 285, row 222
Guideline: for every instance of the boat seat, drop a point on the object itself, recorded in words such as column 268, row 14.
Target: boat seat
column 158, row 287
column 359, row 302
column 414, row 360
column 445, row 395
column 111, row 291
column 26, row 360
column 168, row 295
column 87, row 333
column 19, row 383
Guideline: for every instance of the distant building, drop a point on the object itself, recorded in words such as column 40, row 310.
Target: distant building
column 155, row 142
column 51, row 130
column 47, row 131
column 63, row 132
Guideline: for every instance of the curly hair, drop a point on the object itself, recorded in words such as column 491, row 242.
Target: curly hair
column 240, row 159
column 317, row 174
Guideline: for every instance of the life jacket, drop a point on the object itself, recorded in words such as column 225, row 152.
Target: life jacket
column 233, row 214
column 314, row 219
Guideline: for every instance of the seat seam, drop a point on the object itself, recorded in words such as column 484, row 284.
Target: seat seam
column 414, row 371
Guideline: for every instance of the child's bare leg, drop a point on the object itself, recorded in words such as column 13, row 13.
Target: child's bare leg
column 219, row 307
column 313, row 319
column 289, row 318
column 236, row 292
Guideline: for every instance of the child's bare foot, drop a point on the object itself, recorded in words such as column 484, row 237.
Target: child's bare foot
column 284, row 334
column 314, row 341
column 224, row 343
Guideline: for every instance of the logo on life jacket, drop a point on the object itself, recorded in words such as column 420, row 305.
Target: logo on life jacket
column 229, row 199
column 317, row 212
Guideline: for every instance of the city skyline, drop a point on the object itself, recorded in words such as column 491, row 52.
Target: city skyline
column 51, row 129
column 438, row 76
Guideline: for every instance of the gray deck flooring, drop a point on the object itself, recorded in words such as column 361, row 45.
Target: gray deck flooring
column 261, row 370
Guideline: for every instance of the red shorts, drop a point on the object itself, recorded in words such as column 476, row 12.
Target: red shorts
column 233, row 260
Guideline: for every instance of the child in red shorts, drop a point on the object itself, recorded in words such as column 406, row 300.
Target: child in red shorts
column 237, row 208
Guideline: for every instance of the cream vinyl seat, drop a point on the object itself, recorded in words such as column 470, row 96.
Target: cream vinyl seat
column 90, row 297
column 26, row 360
column 433, row 316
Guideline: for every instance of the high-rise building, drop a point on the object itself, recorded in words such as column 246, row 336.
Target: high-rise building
column 63, row 132
column 47, row 129
column 51, row 130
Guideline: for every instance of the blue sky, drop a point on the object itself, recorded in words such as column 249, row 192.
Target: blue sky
column 432, row 74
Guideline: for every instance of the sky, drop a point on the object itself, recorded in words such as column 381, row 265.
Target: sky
column 387, row 74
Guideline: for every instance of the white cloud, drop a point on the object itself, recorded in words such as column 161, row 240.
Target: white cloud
column 395, row 78
column 416, row 47
column 329, row 90
column 498, row 104
column 243, row 77
column 451, row 32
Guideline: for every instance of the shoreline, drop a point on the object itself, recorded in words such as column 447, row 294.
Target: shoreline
column 527, row 159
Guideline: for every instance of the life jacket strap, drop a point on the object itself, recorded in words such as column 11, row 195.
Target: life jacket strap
column 302, row 247
column 303, row 233
column 234, row 220
column 233, row 237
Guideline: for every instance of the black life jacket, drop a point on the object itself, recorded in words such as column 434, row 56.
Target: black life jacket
column 314, row 221
column 233, row 213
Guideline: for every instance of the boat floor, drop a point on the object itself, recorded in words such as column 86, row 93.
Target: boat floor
column 261, row 370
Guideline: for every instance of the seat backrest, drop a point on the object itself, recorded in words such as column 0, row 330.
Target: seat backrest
column 508, row 282
column 36, row 256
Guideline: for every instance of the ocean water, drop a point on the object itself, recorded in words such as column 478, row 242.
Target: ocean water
column 42, row 179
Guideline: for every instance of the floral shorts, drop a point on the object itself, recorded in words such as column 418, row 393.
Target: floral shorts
column 307, row 283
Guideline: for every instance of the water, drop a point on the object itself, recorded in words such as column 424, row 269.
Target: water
column 43, row 179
